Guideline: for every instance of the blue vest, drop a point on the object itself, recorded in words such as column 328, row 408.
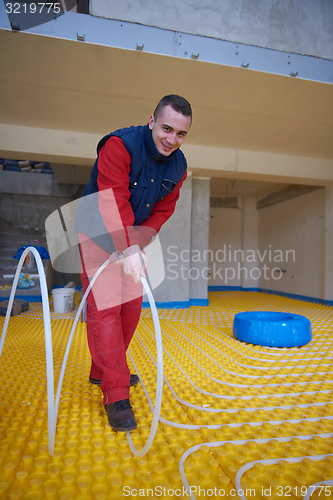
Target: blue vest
column 152, row 177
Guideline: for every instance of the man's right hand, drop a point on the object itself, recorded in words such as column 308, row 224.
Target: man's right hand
column 135, row 262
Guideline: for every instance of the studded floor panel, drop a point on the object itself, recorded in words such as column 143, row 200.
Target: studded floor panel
column 237, row 420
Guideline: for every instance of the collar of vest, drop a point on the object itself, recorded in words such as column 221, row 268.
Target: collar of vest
column 152, row 149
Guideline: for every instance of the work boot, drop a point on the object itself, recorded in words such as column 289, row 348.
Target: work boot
column 134, row 379
column 121, row 416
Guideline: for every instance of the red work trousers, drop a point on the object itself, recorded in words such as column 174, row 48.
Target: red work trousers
column 113, row 312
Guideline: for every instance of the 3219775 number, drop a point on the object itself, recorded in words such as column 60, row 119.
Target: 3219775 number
column 32, row 8
column 288, row 491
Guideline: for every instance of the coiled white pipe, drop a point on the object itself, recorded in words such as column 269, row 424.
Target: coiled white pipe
column 48, row 335
column 54, row 406
column 159, row 389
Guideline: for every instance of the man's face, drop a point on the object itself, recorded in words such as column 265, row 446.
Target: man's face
column 169, row 130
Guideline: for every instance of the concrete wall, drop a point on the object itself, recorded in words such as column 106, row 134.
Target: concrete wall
column 297, row 226
column 286, row 247
column 28, row 199
column 199, row 238
column 225, row 237
column 299, row 26
column 233, row 244
column 250, row 273
column 29, row 210
column 28, row 183
column 329, row 243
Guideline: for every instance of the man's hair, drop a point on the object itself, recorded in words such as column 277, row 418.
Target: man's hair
column 178, row 103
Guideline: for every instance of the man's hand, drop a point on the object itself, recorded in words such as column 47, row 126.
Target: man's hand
column 135, row 262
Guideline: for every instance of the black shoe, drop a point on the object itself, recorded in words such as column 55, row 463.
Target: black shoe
column 121, row 416
column 134, row 379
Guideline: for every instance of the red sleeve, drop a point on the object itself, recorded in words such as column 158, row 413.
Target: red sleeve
column 113, row 172
column 161, row 212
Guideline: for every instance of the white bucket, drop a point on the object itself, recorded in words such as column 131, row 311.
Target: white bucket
column 63, row 299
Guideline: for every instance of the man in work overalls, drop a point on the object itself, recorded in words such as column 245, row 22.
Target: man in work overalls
column 136, row 178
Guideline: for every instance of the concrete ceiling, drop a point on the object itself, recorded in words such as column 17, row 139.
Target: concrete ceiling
column 238, row 187
column 75, row 86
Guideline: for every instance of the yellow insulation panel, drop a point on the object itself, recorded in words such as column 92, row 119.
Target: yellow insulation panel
column 262, row 418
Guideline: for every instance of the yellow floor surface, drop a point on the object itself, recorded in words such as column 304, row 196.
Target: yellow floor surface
column 246, row 405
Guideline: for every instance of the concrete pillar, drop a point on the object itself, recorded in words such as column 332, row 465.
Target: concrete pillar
column 185, row 241
column 175, row 238
column 329, row 245
column 249, row 267
column 199, row 241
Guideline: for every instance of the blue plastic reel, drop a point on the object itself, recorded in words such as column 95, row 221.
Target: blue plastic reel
column 273, row 329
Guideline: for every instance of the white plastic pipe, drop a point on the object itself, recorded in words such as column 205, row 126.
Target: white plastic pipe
column 311, row 489
column 251, row 409
column 48, row 335
column 249, row 465
column 221, row 443
column 159, row 385
column 275, row 461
